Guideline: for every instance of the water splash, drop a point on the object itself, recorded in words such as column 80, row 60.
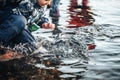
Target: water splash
column 68, row 44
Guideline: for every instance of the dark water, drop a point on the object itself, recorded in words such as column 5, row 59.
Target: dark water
column 100, row 19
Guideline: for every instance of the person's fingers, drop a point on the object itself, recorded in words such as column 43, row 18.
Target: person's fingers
column 44, row 25
column 52, row 26
column 48, row 26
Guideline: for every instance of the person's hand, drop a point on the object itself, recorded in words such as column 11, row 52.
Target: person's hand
column 48, row 25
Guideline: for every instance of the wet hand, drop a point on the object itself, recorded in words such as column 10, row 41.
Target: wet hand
column 48, row 25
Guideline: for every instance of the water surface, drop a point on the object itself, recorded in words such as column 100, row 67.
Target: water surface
column 98, row 23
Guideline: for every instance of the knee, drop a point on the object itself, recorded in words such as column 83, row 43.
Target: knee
column 20, row 21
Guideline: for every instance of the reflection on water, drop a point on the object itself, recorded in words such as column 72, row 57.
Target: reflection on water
column 80, row 15
column 96, row 24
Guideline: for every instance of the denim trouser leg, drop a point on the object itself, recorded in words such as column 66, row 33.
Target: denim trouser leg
column 24, row 37
column 27, row 39
column 11, row 27
column 12, row 32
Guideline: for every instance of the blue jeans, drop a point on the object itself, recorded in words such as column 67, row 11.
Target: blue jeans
column 12, row 29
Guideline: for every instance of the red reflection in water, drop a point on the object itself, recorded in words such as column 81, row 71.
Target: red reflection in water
column 80, row 15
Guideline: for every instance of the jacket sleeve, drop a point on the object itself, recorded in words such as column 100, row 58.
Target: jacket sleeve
column 43, row 18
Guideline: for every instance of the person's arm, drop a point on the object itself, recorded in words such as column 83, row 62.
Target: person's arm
column 44, row 23
column 44, row 20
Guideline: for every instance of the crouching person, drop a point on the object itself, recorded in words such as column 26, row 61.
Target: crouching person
column 12, row 28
